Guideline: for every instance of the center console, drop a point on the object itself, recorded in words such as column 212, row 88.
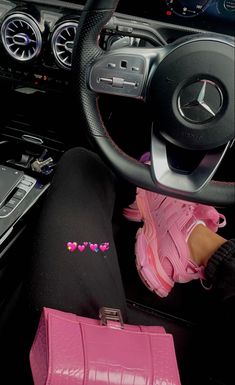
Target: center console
column 25, row 175
column 26, row 171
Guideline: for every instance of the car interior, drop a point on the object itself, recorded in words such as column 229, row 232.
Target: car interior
column 120, row 78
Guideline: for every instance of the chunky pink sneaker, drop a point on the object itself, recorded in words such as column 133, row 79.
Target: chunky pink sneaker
column 162, row 253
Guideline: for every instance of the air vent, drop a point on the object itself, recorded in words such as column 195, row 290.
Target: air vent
column 21, row 37
column 62, row 43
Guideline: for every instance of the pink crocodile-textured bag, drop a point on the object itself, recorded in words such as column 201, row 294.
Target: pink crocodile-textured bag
column 73, row 350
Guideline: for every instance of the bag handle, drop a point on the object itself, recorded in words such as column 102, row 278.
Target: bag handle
column 109, row 314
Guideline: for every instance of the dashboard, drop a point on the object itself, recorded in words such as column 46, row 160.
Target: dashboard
column 29, row 28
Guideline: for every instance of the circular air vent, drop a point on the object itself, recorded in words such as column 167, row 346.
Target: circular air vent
column 62, row 43
column 21, row 37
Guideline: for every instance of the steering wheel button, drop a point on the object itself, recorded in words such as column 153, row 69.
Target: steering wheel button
column 118, row 82
column 105, row 80
column 124, row 64
column 111, row 65
column 132, row 84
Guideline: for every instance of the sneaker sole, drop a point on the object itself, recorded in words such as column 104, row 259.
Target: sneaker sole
column 145, row 267
column 147, row 259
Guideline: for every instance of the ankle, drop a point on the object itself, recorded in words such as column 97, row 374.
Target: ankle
column 203, row 243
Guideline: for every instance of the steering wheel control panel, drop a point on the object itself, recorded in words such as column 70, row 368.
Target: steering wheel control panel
column 119, row 75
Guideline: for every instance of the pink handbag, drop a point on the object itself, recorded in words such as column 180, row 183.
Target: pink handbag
column 73, row 350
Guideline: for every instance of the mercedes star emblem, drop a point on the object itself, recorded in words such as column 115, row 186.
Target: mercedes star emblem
column 200, row 101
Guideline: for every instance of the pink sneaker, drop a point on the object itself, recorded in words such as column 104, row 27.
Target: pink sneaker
column 162, row 253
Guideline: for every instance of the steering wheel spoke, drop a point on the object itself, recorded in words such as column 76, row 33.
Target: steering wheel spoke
column 123, row 72
column 181, row 180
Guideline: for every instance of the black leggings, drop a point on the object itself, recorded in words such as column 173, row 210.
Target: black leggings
column 78, row 208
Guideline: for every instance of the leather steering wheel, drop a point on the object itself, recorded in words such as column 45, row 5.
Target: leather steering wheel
column 189, row 86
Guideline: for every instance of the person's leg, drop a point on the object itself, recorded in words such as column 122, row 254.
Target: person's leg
column 78, row 208
column 218, row 256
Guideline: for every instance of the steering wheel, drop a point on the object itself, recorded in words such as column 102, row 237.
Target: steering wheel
column 189, row 87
